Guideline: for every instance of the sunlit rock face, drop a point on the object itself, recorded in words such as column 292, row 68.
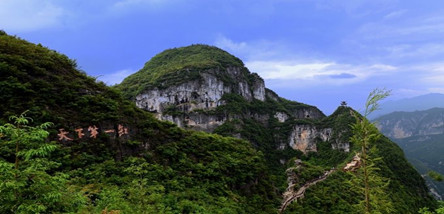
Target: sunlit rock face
column 187, row 105
column 198, row 103
column 282, row 117
column 188, row 96
column 204, row 93
column 304, row 137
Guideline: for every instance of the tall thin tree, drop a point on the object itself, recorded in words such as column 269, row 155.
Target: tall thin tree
column 365, row 134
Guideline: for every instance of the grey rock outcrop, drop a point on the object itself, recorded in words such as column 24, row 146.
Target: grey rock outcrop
column 282, row 117
column 201, row 94
column 205, row 98
column 303, row 137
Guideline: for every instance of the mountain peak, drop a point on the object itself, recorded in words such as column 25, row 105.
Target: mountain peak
column 178, row 65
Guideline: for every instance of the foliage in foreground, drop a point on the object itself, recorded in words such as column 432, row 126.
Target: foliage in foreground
column 367, row 180
column 439, row 210
column 201, row 173
column 29, row 181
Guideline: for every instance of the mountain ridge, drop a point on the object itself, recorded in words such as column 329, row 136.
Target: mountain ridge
column 281, row 129
column 418, row 103
column 155, row 166
column 420, row 135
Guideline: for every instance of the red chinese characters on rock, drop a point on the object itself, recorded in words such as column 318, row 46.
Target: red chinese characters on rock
column 62, row 135
column 79, row 132
column 122, row 130
column 93, row 132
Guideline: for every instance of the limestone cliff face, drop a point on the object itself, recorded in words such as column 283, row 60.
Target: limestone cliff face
column 305, row 137
column 187, row 105
column 204, row 93
column 281, row 116
column 198, row 95
column 196, row 121
column 180, row 104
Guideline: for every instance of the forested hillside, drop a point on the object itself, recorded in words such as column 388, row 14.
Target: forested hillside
column 155, row 167
column 102, row 154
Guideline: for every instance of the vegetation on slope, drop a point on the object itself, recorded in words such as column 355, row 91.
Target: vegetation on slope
column 160, row 168
column 424, row 148
column 406, row 189
column 155, row 168
column 255, row 121
column 178, row 65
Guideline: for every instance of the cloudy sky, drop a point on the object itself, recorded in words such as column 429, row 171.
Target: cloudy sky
column 319, row 52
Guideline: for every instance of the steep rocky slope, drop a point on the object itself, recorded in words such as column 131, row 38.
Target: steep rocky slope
column 420, row 134
column 205, row 88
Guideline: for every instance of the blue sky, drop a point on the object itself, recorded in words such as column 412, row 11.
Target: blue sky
column 316, row 52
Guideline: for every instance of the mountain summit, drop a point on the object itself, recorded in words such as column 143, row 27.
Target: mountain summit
column 201, row 87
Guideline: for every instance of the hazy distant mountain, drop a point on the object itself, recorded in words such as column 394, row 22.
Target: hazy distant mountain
column 421, row 135
column 418, row 103
column 402, row 124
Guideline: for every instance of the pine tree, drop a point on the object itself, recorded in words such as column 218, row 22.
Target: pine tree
column 366, row 180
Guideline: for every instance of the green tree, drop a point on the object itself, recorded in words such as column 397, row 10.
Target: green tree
column 367, row 179
column 27, row 185
column 435, row 176
column 439, row 210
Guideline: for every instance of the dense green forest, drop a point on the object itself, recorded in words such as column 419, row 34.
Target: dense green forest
column 83, row 147
column 155, row 168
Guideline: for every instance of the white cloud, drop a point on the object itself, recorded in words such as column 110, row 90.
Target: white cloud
column 225, row 43
column 29, row 15
column 431, row 74
column 317, row 73
column 275, row 62
column 116, row 77
column 410, row 52
column 288, row 69
column 259, row 49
